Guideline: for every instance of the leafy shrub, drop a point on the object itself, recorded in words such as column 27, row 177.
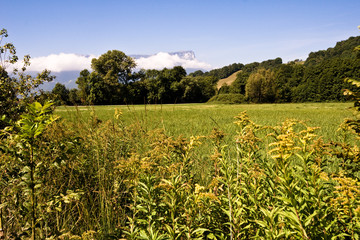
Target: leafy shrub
column 229, row 98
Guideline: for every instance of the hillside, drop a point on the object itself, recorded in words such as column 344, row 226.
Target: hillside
column 320, row 78
column 343, row 49
column 229, row 80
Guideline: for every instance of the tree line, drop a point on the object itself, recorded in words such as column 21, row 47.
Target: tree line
column 319, row 78
column 295, row 82
column 112, row 80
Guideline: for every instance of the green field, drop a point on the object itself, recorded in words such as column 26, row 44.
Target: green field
column 200, row 119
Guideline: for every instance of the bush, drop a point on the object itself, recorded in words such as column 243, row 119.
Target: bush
column 229, row 98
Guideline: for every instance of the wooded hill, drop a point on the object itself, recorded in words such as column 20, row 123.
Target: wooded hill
column 319, row 78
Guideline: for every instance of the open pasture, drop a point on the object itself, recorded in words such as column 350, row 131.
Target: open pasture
column 200, row 119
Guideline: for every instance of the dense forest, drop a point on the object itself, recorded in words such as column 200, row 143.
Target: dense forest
column 112, row 80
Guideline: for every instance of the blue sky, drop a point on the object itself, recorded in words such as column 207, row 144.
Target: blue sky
column 219, row 32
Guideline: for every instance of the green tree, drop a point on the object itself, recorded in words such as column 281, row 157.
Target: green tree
column 198, row 89
column 288, row 77
column 164, row 85
column 225, row 71
column 325, row 81
column 153, row 85
column 137, row 92
column 355, row 96
column 260, row 86
column 271, row 63
column 16, row 89
column 107, row 84
column 238, row 86
column 8, row 97
column 343, row 49
column 114, row 67
column 177, row 73
column 224, row 89
column 74, row 96
column 197, row 73
column 170, row 81
column 99, row 91
column 83, row 82
column 60, row 93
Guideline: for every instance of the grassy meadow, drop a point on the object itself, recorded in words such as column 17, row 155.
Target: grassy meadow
column 199, row 119
column 228, row 81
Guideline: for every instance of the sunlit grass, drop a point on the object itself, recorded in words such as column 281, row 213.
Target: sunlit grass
column 200, row 119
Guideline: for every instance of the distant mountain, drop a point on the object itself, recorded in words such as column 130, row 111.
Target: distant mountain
column 68, row 78
column 187, row 55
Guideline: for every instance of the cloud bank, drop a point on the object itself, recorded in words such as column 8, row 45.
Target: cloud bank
column 165, row 60
column 61, row 62
column 74, row 62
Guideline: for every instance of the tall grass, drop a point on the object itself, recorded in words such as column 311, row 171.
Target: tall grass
column 184, row 172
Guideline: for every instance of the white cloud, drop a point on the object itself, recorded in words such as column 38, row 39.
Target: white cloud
column 61, row 62
column 74, row 62
column 165, row 60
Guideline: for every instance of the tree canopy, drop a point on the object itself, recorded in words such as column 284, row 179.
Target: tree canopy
column 114, row 67
column 18, row 88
